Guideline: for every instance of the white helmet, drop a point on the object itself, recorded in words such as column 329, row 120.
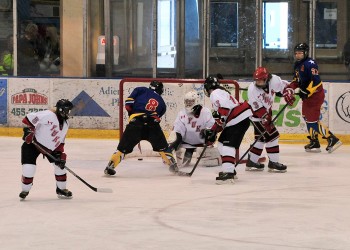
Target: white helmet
column 191, row 99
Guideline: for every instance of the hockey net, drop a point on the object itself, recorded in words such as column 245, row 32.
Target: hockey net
column 174, row 91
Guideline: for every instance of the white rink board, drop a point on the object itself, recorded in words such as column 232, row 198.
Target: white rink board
column 100, row 106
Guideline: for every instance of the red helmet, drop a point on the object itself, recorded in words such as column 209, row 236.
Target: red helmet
column 261, row 73
column 261, row 77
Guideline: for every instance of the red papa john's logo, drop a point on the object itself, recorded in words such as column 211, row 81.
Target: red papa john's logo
column 29, row 96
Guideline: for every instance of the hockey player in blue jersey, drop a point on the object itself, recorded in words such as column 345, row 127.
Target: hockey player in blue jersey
column 145, row 107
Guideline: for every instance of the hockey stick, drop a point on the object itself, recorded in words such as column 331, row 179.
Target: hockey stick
column 180, row 173
column 101, row 190
column 261, row 135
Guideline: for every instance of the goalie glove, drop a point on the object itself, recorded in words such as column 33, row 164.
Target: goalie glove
column 28, row 134
column 288, row 94
column 60, row 160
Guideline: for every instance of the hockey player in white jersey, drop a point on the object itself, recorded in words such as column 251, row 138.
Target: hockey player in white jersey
column 48, row 129
column 232, row 120
column 188, row 125
column 261, row 94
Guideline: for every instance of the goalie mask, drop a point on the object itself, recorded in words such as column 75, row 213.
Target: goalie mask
column 157, row 87
column 191, row 100
column 261, row 77
column 63, row 108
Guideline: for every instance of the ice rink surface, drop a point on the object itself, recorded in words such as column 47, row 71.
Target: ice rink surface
column 305, row 208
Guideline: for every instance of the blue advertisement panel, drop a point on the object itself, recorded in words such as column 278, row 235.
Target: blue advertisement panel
column 3, row 101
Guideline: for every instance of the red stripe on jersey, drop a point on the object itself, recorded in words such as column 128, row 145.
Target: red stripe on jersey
column 259, row 112
column 223, row 111
column 238, row 111
column 61, row 177
column 228, row 159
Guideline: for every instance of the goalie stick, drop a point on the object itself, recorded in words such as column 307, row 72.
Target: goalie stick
column 100, row 190
column 180, row 173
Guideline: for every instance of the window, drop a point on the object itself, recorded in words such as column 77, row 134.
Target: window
column 224, row 24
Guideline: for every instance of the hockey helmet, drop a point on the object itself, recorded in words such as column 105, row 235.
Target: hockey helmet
column 302, row 47
column 63, row 108
column 210, row 83
column 157, row 86
column 191, row 99
column 261, row 77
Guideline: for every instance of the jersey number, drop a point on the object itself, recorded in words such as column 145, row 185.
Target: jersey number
column 152, row 105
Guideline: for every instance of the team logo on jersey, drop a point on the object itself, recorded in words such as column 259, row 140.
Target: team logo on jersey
column 343, row 107
column 29, row 96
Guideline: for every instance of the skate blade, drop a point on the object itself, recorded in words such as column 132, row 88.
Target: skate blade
column 314, row 150
column 253, row 169
column 225, row 182
column 337, row 145
column 64, row 197
column 272, row 170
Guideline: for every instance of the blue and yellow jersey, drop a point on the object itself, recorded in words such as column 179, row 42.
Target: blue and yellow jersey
column 142, row 101
column 306, row 75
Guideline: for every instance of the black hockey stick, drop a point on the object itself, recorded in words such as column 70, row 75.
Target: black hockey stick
column 101, row 190
column 180, row 173
column 261, row 135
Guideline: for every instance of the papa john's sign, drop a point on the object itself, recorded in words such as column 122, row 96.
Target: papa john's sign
column 29, row 96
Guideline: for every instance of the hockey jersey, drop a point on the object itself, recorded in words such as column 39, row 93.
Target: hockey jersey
column 47, row 128
column 143, row 100
column 190, row 126
column 261, row 100
column 229, row 109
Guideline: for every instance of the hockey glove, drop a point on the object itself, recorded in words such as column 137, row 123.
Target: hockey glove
column 288, row 94
column 266, row 122
column 28, row 134
column 209, row 136
column 304, row 94
column 60, row 159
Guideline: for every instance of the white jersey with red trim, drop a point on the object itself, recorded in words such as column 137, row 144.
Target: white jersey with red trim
column 259, row 98
column 47, row 128
column 190, row 126
column 224, row 103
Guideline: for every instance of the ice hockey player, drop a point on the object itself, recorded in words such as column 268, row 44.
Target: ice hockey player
column 48, row 130
column 307, row 79
column 189, row 123
column 145, row 107
column 261, row 95
column 232, row 120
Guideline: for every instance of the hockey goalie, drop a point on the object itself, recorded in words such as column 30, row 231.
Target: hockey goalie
column 187, row 135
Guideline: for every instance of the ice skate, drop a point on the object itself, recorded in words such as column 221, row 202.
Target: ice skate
column 173, row 167
column 64, row 193
column 109, row 170
column 277, row 167
column 23, row 195
column 313, row 146
column 225, row 178
column 234, row 174
column 333, row 143
column 252, row 166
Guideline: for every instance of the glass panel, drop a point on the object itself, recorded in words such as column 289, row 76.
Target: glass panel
column 38, row 43
column 275, row 25
column 224, row 24
column 326, row 25
column 6, row 38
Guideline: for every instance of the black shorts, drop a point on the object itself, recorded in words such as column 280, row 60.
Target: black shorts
column 232, row 136
column 139, row 130
column 29, row 154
